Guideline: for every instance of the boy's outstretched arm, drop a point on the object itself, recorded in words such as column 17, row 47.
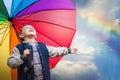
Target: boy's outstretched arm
column 60, row 51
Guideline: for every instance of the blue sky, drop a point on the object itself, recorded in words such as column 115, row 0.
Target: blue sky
column 98, row 47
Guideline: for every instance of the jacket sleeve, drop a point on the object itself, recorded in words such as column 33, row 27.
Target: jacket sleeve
column 14, row 61
column 57, row 51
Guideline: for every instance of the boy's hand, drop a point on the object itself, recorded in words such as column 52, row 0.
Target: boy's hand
column 74, row 50
column 26, row 53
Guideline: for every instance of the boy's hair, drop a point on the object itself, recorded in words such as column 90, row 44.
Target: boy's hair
column 22, row 29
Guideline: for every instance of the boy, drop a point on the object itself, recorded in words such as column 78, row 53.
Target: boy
column 32, row 57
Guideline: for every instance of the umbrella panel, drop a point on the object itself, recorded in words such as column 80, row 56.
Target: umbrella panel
column 13, row 41
column 3, row 10
column 20, row 5
column 4, row 31
column 43, row 5
column 64, row 18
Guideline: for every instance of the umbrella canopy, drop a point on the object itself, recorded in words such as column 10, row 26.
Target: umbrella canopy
column 54, row 21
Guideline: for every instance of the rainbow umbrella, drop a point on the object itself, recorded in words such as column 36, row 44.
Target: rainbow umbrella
column 54, row 20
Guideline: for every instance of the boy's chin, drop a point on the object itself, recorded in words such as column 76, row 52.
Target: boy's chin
column 32, row 35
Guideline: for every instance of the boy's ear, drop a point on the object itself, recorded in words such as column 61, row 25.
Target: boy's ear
column 21, row 36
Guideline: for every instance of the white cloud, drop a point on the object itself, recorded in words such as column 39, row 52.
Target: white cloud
column 117, row 22
column 86, row 50
column 76, row 71
column 81, row 44
column 82, row 37
column 103, row 8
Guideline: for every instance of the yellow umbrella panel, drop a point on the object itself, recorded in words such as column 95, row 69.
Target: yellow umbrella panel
column 8, row 39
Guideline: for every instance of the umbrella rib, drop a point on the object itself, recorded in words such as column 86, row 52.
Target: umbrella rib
column 3, row 26
column 25, row 8
column 1, row 17
column 53, row 9
column 49, row 38
column 2, row 32
column 57, row 25
column 50, row 23
column 42, row 11
column 11, row 7
column 5, row 9
column 16, row 32
column 17, row 7
column 4, row 36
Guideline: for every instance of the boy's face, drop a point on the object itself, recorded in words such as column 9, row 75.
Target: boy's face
column 28, row 30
